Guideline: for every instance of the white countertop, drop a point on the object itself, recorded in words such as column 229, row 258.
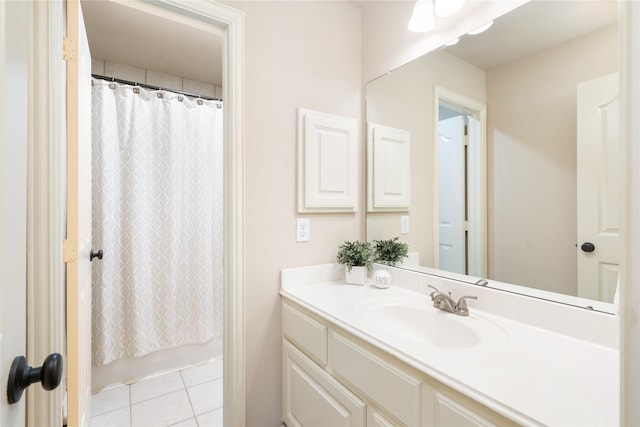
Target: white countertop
column 528, row 374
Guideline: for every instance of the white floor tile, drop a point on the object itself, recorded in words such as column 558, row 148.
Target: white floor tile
column 203, row 374
column 156, row 386
column 206, row 397
column 109, row 400
column 162, row 411
column 211, row 419
column 118, row 418
column 186, row 423
column 163, row 401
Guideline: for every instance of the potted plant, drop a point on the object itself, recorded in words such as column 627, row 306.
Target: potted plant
column 391, row 251
column 357, row 257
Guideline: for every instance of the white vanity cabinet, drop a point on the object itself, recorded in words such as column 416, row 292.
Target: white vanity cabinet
column 332, row 378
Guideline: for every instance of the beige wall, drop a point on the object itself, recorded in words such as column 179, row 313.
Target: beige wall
column 405, row 99
column 532, row 160
column 298, row 54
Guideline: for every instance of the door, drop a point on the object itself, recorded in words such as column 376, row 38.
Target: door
column 312, row 397
column 451, row 195
column 14, row 72
column 77, row 245
column 600, row 186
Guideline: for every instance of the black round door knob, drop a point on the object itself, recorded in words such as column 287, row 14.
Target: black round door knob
column 22, row 375
column 93, row 254
column 588, row 247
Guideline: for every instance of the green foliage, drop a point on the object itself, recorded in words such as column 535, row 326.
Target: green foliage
column 390, row 252
column 356, row 254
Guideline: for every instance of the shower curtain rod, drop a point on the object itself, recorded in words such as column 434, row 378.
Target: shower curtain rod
column 146, row 86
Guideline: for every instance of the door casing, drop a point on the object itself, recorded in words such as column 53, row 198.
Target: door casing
column 47, row 125
column 46, row 219
column 477, row 177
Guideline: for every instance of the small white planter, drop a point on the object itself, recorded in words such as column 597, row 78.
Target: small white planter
column 357, row 275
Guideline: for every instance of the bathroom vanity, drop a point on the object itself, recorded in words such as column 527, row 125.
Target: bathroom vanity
column 359, row 355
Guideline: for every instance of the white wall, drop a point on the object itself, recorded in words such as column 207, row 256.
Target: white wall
column 153, row 78
column 405, row 99
column 532, row 160
column 298, row 54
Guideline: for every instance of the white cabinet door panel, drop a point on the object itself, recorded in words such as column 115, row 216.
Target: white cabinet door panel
column 312, row 398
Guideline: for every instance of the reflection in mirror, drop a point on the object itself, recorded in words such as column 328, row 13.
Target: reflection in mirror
column 550, row 191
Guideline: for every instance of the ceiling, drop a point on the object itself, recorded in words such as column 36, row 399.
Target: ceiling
column 119, row 32
column 532, row 27
column 122, row 33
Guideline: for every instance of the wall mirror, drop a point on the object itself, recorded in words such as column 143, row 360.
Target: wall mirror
column 534, row 190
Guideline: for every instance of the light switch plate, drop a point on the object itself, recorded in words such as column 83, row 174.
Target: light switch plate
column 302, row 230
column 404, row 224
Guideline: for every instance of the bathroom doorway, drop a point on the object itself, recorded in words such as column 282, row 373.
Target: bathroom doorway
column 157, row 192
column 460, row 164
column 213, row 15
column 157, row 160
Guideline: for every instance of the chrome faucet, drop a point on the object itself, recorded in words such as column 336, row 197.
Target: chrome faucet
column 444, row 302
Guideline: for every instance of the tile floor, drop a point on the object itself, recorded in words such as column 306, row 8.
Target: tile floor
column 188, row 398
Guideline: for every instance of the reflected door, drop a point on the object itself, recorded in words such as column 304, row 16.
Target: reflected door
column 599, row 178
column 451, row 195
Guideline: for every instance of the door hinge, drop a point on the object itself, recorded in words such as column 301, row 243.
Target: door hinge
column 69, row 49
column 466, row 130
column 466, row 225
column 69, row 250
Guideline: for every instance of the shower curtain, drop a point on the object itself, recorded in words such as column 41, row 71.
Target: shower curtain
column 157, row 215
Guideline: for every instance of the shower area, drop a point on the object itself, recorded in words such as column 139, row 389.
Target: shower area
column 157, row 209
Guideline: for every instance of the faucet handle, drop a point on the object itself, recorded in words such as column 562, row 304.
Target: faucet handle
column 462, row 302
column 435, row 290
column 481, row 282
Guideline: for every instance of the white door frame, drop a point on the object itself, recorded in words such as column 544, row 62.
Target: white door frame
column 46, row 217
column 630, row 271
column 477, row 181
column 47, row 171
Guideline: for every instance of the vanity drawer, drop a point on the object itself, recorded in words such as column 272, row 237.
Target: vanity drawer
column 307, row 334
column 390, row 388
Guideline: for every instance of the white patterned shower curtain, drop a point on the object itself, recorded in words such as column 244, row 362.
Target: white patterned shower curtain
column 157, row 215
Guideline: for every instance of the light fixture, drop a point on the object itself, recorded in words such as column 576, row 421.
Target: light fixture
column 448, row 7
column 422, row 18
column 482, row 29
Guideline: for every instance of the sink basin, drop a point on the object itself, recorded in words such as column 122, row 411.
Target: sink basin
column 423, row 324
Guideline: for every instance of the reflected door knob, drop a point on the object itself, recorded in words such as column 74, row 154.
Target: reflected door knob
column 588, row 247
column 93, row 255
column 22, row 375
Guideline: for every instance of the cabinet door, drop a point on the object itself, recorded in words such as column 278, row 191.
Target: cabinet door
column 312, row 398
